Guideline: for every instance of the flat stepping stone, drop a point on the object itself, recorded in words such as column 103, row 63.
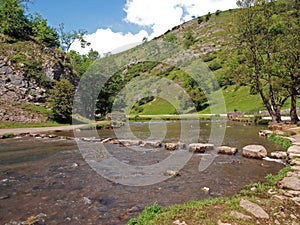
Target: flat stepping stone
column 227, row 150
column 199, row 147
column 295, row 149
column 292, row 183
column 254, row 209
column 278, row 155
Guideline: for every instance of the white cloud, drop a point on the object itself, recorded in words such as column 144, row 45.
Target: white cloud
column 105, row 40
column 159, row 15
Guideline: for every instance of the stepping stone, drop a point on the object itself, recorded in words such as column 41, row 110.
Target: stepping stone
column 254, row 209
column 278, row 155
column 227, row 150
column 254, row 151
column 292, row 183
column 199, row 147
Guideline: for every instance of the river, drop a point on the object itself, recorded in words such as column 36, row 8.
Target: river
column 49, row 176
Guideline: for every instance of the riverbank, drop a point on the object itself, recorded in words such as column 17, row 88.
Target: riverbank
column 275, row 201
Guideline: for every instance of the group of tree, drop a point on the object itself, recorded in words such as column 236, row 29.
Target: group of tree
column 269, row 50
column 15, row 24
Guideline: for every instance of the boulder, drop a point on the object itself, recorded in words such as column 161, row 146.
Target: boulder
column 199, row 147
column 227, row 150
column 151, row 144
column 278, row 155
column 292, row 183
column 254, row 151
column 254, row 209
column 130, row 142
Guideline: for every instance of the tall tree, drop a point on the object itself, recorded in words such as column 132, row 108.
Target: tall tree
column 289, row 43
column 13, row 22
column 259, row 42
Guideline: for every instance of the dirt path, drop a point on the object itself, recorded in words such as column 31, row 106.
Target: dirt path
column 18, row 131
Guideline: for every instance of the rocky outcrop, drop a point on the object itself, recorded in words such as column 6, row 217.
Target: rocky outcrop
column 254, row 151
column 27, row 73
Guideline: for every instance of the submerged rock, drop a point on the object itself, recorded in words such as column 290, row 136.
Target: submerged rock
column 254, row 151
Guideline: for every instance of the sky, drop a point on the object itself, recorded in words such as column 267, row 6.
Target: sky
column 113, row 24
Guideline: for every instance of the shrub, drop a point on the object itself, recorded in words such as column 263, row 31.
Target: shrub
column 8, row 135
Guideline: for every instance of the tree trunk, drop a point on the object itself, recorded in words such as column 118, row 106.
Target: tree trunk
column 293, row 111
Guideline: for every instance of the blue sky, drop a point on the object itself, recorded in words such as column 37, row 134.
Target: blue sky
column 112, row 24
column 89, row 15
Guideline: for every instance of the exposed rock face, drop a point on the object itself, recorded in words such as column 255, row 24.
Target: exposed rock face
column 254, row 151
column 15, row 113
column 27, row 72
column 227, row 150
column 254, row 209
column 199, row 147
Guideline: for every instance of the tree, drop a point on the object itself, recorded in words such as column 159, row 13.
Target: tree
column 13, row 22
column 68, row 38
column 260, row 43
column 289, row 25
column 61, row 100
column 42, row 32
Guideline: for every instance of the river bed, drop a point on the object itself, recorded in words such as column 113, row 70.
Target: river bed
column 49, row 176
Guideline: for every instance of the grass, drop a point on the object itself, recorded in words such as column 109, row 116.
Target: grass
column 209, row 211
column 285, row 143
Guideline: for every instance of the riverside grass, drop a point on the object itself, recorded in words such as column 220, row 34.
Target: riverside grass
column 209, row 211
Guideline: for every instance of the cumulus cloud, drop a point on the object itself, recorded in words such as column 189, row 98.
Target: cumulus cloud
column 105, row 40
column 158, row 15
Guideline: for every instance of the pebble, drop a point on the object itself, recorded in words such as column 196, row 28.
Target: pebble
column 4, row 197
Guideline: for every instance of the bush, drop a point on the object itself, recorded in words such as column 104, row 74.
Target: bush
column 61, row 100
column 200, row 19
column 8, row 135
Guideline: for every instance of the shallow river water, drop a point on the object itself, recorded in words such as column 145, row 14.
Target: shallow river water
column 49, row 176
